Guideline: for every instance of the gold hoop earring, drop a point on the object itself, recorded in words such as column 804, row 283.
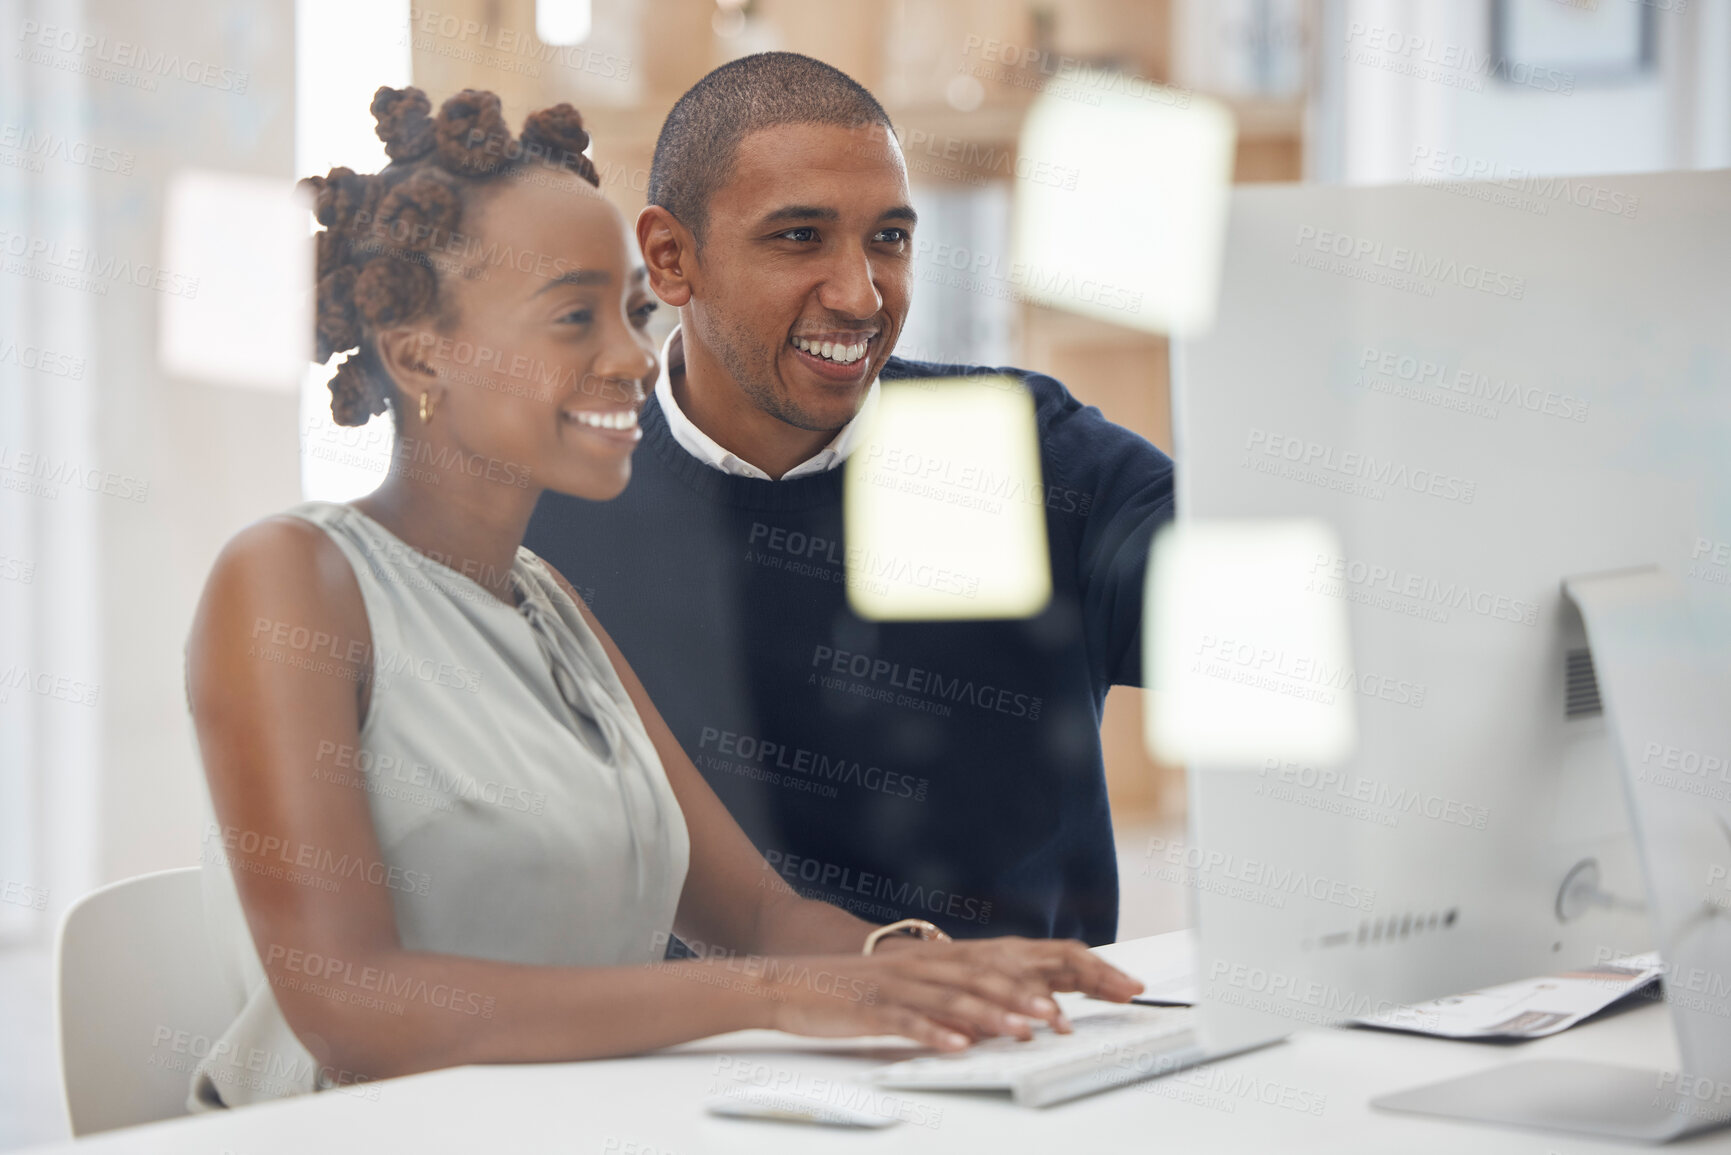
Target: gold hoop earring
column 427, row 403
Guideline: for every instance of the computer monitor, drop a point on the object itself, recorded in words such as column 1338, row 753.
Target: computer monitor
column 1484, row 393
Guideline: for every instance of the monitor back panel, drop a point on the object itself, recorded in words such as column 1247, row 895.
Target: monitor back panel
column 1484, row 390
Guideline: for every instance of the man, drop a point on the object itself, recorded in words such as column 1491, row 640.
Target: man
column 949, row 771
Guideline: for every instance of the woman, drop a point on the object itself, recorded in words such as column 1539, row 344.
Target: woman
column 453, row 827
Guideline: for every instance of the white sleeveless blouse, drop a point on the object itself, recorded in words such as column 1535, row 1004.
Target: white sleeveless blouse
column 522, row 814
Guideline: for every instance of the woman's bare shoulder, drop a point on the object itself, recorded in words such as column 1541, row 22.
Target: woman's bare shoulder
column 288, row 566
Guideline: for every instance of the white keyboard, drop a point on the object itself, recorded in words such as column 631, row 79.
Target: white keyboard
column 1109, row 1048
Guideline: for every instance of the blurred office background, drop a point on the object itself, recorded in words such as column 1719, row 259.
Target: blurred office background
column 106, row 106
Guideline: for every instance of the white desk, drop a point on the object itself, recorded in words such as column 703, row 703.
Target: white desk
column 653, row 1105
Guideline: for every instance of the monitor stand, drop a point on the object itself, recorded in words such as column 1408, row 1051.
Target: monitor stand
column 1569, row 1095
column 1664, row 678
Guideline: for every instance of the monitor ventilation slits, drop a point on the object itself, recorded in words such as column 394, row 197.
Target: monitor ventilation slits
column 1399, row 927
column 1580, row 686
column 1390, row 928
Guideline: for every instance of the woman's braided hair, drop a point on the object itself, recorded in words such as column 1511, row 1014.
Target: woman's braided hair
column 384, row 234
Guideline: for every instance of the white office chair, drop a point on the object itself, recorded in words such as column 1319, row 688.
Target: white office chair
column 132, row 967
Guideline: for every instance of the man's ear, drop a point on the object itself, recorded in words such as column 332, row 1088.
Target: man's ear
column 669, row 253
column 406, row 353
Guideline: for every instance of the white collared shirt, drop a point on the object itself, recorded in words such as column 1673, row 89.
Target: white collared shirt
column 703, row 447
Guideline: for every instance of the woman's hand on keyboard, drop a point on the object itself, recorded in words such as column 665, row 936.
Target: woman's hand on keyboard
column 945, row 995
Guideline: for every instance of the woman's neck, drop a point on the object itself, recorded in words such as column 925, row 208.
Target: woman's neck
column 470, row 525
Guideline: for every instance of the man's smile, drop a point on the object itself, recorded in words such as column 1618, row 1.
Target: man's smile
column 834, row 356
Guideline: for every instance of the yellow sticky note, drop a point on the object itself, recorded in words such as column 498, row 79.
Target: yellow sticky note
column 1245, row 660
column 1126, row 221
column 945, row 506
column 236, row 281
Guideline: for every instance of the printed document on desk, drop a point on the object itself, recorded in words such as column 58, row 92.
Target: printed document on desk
column 1166, row 964
column 1528, row 1009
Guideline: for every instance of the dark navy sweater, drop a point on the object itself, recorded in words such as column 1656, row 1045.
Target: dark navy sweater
column 948, row 771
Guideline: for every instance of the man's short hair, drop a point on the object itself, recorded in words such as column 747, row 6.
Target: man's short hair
column 695, row 153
